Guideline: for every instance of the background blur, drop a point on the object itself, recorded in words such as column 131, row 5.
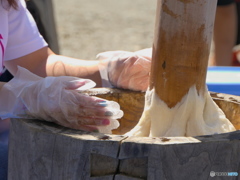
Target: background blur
column 87, row 27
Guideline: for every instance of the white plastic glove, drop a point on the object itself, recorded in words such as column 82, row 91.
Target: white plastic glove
column 57, row 99
column 127, row 70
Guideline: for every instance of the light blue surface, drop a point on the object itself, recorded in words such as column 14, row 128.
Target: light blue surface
column 224, row 80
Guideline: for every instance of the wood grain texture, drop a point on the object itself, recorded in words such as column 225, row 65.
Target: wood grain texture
column 124, row 177
column 184, row 158
column 183, row 34
column 41, row 150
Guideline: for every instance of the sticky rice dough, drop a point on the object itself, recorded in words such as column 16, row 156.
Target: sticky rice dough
column 194, row 115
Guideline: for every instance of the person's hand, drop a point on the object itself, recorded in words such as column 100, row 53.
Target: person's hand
column 57, row 99
column 127, row 70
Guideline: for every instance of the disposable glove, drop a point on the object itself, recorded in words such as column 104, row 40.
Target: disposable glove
column 127, row 70
column 59, row 100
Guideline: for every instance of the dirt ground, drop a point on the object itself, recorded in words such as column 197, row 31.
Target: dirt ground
column 87, row 27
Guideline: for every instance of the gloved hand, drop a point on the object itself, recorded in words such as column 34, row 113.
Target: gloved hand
column 57, row 99
column 127, row 70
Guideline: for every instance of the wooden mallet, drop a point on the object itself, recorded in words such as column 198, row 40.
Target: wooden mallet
column 183, row 34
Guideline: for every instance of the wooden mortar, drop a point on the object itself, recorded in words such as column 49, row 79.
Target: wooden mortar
column 42, row 150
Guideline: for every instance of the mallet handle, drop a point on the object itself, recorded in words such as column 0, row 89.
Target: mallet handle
column 183, row 34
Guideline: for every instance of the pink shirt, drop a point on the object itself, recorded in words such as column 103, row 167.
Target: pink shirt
column 19, row 35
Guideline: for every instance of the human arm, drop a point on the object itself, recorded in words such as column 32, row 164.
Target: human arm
column 44, row 62
column 59, row 100
column 26, row 48
column 128, row 70
column 56, row 102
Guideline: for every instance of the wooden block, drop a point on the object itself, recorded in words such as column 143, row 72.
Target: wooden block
column 43, row 150
column 184, row 158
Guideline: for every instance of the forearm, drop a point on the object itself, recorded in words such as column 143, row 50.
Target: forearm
column 44, row 62
column 66, row 66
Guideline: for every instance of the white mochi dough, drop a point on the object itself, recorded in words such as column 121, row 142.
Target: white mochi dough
column 194, row 115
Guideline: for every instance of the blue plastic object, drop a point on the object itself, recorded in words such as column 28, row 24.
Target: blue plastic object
column 224, row 80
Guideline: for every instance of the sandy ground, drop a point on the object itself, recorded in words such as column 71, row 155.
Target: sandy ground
column 87, row 27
